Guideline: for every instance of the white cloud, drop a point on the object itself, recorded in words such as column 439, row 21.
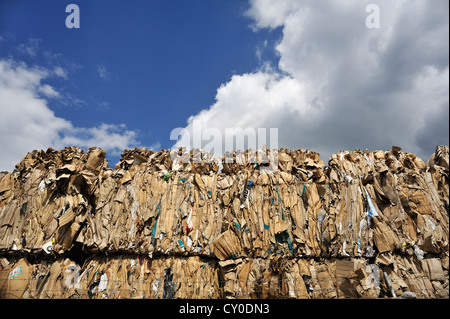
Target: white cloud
column 155, row 147
column 103, row 72
column 271, row 14
column 48, row 91
column 111, row 137
column 60, row 72
column 260, row 50
column 342, row 85
column 31, row 47
column 27, row 122
column 254, row 100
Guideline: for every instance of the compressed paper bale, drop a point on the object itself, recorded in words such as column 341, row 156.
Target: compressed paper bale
column 327, row 288
column 422, row 203
column 300, row 211
column 296, row 284
column 15, row 280
column 6, row 186
column 379, row 155
column 59, row 182
column 345, row 279
column 433, row 269
column 243, row 273
column 226, row 245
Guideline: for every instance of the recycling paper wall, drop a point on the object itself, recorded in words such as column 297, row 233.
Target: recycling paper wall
column 365, row 208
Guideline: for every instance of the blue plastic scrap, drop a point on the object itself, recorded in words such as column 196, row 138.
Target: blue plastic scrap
column 372, row 211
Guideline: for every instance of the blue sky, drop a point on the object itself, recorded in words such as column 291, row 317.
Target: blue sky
column 135, row 70
column 147, row 64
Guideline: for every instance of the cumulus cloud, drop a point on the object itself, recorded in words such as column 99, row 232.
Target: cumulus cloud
column 248, row 101
column 108, row 136
column 340, row 85
column 271, row 14
column 27, row 122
